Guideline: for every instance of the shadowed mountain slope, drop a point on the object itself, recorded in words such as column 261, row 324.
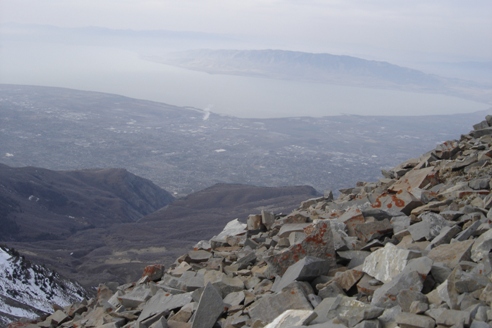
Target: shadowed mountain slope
column 40, row 204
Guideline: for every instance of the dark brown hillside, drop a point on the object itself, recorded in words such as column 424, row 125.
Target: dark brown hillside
column 40, row 204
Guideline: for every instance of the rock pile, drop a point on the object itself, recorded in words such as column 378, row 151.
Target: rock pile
column 411, row 250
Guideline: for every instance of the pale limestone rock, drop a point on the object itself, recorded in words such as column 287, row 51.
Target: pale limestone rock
column 387, row 262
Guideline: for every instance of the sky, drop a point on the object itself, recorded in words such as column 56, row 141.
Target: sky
column 379, row 29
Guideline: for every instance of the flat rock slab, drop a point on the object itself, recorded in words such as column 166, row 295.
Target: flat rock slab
column 401, row 201
column 233, row 228
column 305, row 269
column 386, row 295
column 451, row 254
column 373, row 230
column 209, row 308
column 291, row 318
column 415, row 320
column 346, row 309
column 387, row 262
column 269, row 307
column 198, row 256
column 163, row 302
column 318, row 243
column 286, row 229
column 482, row 246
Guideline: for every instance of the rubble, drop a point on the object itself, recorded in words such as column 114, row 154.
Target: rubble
column 411, row 250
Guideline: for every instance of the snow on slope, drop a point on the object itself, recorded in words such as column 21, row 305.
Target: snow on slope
column 29, row 290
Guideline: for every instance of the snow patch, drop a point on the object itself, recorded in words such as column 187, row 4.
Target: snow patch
column 220, row 150
column 9, row 155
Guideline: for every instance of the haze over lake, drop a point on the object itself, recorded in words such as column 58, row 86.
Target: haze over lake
column 112, row 70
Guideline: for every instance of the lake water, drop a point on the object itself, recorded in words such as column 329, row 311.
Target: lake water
column 122, row 72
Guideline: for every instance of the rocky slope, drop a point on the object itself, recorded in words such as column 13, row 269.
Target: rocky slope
column 28, row 290
column 410, row 250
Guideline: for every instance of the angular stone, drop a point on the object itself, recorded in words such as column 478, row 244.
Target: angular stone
column 410, row 320
column 347, row 279
column 267, row 219
column 482, row 246
column 198, row 256
column 234, row 298
column 292, row 318
column 447, row 149
column 454, row 317
column 58, row 318
column 386, row 295
column 387, row 262
column 223, row 283
column 444, row 237
column 135, row 297
column 271, row 306
column 429, row 227
column 400, row 223
column 254, row 222
column 401, row 201
column 468, row 232
column 161, row 323
column 346, row 309
column 406, row 297
column 367, row 285
column 373, row 230
column 451, row 254
column 233, row 228
column 153, row 272
column 318, row 243
column 415, row 179
column 287, row 229
column 352, row 218
column 331, row 289
column 209, row 308
column 307, row 268
column 162, row 303
column 296, row 237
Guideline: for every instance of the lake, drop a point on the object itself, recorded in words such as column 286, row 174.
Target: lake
column 112, row 70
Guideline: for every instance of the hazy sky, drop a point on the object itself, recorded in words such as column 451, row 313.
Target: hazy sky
column 381, row 29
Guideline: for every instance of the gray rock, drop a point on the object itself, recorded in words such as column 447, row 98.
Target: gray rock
column 468, row 232
column 444, row 237
column 386, row 295
column 234, row 298
column 223, row 283
column 482, row 246
column 431, row 222
column 400, row 223
column 267, row 219
column 347, row 309
column 291, row 318
column 318, row 243
column 271, row 306
column 410, row 320
column 373, row 230
column 307, row 268
column 451, row 254
column 135, row 297
column 209, row 308
column 454, row 317
column 332, row 289
column 287, row 229
column 387, row 262
column 163, row 302
column 406, row 297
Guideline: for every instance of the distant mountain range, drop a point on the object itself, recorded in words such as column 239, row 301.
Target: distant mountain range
column 324, row 68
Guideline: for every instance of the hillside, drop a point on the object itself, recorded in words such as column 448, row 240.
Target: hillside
column 108, row 224
column 410, row 250
column 28, row 290
column 39, row 204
